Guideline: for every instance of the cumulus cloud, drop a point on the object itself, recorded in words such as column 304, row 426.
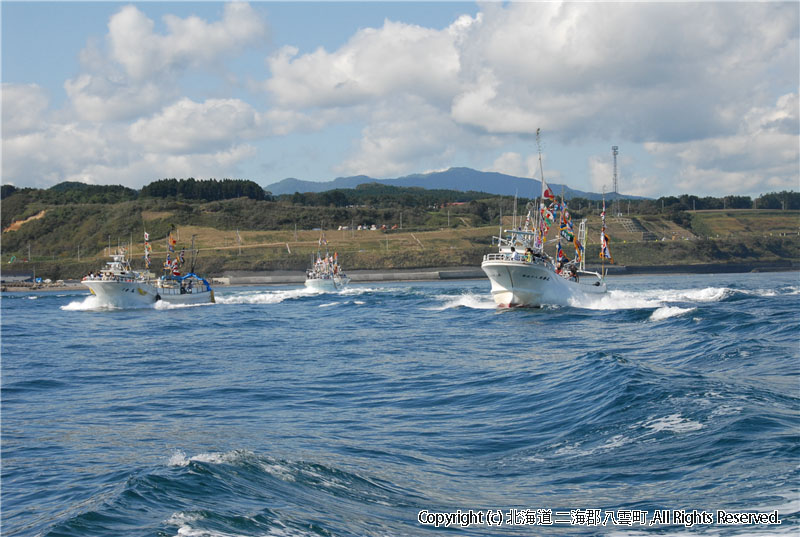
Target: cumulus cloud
column 126, row 122
column 697, row 85
column 664, row 74
column 392, row 145
column 512, row 163
column 643, row 71
column 190, row 41
column 397, row 58
column 190, row 127
column 24, row 107
column 762, row 155
column 138, row 69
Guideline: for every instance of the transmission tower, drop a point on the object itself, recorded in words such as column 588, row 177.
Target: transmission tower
column 615, row 152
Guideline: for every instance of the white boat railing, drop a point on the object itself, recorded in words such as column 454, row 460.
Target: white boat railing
column 522, row 259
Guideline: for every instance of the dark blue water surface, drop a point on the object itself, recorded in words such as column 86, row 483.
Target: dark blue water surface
column 281, row 412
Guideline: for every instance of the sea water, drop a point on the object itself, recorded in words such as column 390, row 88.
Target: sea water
column 406, row 409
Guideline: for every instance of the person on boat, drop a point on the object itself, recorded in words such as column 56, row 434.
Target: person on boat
column 529, row 255
column 514, row 254
column 573, row 273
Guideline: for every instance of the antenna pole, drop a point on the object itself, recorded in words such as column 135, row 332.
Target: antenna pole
column 615, row 152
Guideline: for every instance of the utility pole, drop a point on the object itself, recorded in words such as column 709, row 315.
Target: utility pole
column 615, row 152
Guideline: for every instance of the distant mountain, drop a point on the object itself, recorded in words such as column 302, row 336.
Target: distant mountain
column 461, row 179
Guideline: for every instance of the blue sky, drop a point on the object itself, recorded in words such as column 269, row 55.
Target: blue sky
column 701, row 98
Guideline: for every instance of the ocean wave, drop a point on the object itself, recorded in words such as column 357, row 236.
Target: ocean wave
column 674, row 423
column 788, row 290
column 666, row 312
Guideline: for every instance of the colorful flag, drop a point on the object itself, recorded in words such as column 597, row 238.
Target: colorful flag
column 560, row 254
column 146, row 236
column 578, row 250
column 180, row 256
column 566, row 228
column 547, row 215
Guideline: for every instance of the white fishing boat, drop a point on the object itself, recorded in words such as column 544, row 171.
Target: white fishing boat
column 117, row 285
column 326, row 274
column 536, row 280
column 523, row 274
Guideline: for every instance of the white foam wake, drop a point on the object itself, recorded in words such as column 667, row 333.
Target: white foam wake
column 466, row 300
column 90, row 303
column 665, row 312
column 268, row 297
column 164, row 305
column 660, row 300
column 614, row 300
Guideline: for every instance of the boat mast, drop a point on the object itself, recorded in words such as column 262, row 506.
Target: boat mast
column 194, row 254
column 602, row 235
column 541, row 196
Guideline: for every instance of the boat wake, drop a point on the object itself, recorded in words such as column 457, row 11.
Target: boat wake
column 93, row 303
column 268, row 297
column 466, row 300
column 666, row 312
column 665, row 303
column 163, row 305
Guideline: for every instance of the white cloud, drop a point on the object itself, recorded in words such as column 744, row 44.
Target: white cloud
column 394, row 144
column 24, row 107
column 657, row 73
column 125, row 122
column 511, row 163
column 699, row 85
column 188, row 42
column 645, row 71
column 395, row 59
column 762, row 155
column 139, row 70
column 190, row 127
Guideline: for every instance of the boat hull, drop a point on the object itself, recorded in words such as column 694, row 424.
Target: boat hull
column 518, row 283
column 329, row 285
column 132, row 294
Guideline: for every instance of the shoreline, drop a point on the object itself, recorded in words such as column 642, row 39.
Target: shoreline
column 235, row 278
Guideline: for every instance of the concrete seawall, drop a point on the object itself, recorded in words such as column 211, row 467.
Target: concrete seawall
column 357, row 276
column 473, row 273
